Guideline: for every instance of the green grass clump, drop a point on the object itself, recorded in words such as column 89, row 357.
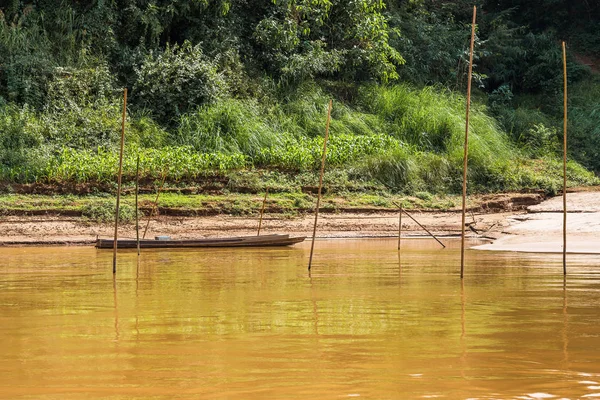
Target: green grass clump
column 230, row 126
column 104, row 211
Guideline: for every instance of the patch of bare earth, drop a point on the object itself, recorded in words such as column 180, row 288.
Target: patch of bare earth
column 487, row 217
column 541, row 229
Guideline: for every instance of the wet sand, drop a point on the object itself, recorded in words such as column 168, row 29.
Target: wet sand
column 541, row 229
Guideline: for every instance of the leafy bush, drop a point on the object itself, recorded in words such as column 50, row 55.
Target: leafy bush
column 89, row 83
column 177, row 81
column 432, row 44
column 306, row 39
column 18, row 136
column 526, row 61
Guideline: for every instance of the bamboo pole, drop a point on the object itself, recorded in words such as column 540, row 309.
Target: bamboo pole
column 137, row 189
column 564, row 48
column 262, row 210
column 119, row 179
column 418, row 223
column 466, row 150
column 399, row 226
column 312, row 245
column 155, row 205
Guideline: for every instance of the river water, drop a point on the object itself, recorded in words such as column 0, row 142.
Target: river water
column 252, row 324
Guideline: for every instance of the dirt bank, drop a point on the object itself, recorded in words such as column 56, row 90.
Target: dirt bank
column 72, row 230
column 45, row 220
column 517, row 222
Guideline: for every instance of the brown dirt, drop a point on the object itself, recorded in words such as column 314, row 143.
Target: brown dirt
column 517, row 220
column 46, row 230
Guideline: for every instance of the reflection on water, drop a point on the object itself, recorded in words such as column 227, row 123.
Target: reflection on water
column 252, row 324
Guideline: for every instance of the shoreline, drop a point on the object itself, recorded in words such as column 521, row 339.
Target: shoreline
column 541, row 229
column 536, row 228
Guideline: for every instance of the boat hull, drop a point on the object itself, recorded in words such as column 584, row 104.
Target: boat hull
column 243, row 241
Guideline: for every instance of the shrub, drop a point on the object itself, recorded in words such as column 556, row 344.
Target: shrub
column 177, row 81
column 18, row 136
column 89, row 83
column 104, row 211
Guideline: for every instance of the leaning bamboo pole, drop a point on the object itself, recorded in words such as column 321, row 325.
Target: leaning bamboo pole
column 137, row 189
column 564, row 49
column 402, row 210
column 262, row 211
column 466, row 150
column 119, row 179
column 155, row 205
column 312, row 245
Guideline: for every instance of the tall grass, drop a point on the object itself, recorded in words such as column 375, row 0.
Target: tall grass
column 231, row 125
column 431, row 122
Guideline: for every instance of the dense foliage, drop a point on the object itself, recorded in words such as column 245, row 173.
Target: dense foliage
column 220, row 85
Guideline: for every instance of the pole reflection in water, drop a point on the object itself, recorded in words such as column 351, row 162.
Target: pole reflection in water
column 565, row 327
column 116, row 307
column 463, row 329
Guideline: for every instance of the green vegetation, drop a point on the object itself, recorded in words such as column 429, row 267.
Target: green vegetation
column 234, row 92
column 99, row 208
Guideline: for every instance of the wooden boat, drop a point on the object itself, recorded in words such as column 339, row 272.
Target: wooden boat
column 242, row 241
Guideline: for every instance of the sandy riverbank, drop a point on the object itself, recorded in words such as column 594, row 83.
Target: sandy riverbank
column 536, row 229
column 23, row 230
column 540, row 230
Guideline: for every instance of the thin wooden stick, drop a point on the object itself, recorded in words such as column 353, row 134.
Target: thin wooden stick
column 466, row 151
column 155, row 205
column 564, row 48
column 399, row 225
column 262, row 210
column 137, row 219
column 119, row 180
column 312, row 246
column 418, row 223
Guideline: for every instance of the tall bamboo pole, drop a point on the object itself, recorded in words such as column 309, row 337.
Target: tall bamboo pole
column 119, row 179
column 155, row 205
column 262, row 211
column 564, row 48
column 466, row 151
column 137, row 189
column 312, row 245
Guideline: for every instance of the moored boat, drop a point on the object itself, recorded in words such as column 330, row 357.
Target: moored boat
column 242, row 241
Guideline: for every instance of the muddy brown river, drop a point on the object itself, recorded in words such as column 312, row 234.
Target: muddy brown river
column 252, row 324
